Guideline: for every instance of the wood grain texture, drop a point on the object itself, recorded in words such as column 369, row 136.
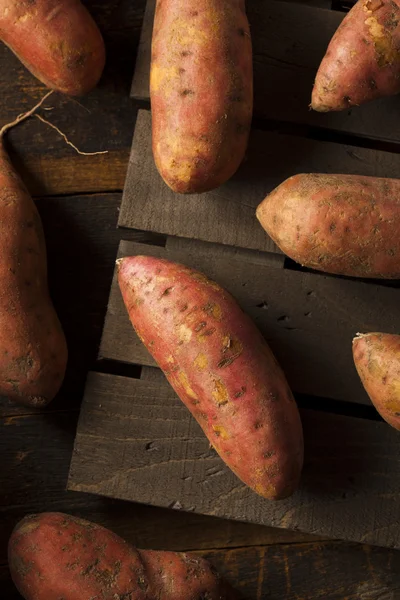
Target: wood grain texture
column 227, row 215
column 289, row 42
column 333, row 571
column 136, row 441
column 308, row 319
column 36, row 452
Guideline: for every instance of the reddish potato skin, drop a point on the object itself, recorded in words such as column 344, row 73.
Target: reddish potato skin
column 33, row 350
column 377, row 360
column 362, row 62
column 343, row 224
column 222, row 369
column 54, row 555
column 57, row 40
column 201, row 90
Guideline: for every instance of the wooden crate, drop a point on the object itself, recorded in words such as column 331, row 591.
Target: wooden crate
column 135, row 439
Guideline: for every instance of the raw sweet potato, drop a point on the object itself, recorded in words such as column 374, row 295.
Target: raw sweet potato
column 33, row 351
column 57, row 40
column 54, row 556
column 377, row 360
column 363, row 58
column 222, row 369
column 344, row 224
column 201, row 89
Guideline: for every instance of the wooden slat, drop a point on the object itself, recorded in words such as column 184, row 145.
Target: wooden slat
column 36, row 453
column 308, row 319
column 136, row 441
column 269, row 259
column 142, row 67
column 227, row 215
column 289, row 42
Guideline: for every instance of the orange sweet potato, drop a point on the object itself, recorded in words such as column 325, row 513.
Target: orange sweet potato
column 222, row 369
column 363, row 58
column 54, row 556
column 33, row 350
column 57, row 40
column 377, row 360
column 343, row 224
column 201, row 89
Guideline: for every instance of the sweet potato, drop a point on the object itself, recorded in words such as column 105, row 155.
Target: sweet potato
column 362, row 62
column 201, row 89
column 54, row 556
column 222, row 369
column 343, row 224
column 57, row 40
column 377, row 360
column 33, row 350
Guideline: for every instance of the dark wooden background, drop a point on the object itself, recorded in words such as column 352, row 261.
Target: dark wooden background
column 78, row 198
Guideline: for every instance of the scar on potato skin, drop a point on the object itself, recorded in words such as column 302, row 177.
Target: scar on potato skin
column 220, row 432
column 220, row 393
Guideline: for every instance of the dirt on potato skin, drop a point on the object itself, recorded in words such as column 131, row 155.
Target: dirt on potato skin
column 56, row 555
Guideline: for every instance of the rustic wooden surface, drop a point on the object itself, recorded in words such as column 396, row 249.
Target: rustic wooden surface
column 79, row 204
column 143, row 445
column 294, row 311
column 271, row 158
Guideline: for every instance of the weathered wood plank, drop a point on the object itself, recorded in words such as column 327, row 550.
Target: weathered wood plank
column 308, row 319
column 254, row 257
column 136, row 441
column 141, row 74
column 227, row 215
column 36, row 453
column 327, row 570
column 289, row 42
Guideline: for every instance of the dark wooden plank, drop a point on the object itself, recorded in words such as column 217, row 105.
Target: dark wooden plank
column 136, row 441
column 36, row 452
column 227, row 215
column 289, row 42
column 331, row 571
column 254, row 257
column 202, row 216
column 152, row 375
column 308, row 319
column 141, row 73
column 328, row 571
